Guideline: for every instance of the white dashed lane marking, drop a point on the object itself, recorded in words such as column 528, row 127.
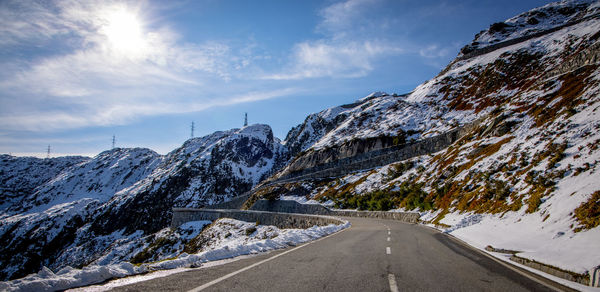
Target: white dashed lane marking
column 388, row 250
column 393, row 285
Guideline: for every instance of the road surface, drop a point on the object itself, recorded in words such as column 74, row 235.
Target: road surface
column 372, row 255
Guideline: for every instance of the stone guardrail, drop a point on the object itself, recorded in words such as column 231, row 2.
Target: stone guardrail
column 590, row 278
column 285, row 214
column 234, row 203
column 280, row 220
column 285, row 206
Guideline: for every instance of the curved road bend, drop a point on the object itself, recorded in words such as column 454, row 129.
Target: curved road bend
column 361, row 258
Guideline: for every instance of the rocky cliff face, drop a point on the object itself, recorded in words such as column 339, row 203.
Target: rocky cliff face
column 81, row 213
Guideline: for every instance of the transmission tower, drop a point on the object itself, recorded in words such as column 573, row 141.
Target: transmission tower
column 113, row 142
column 245, row 119
column 48, row 156
column 192, row 135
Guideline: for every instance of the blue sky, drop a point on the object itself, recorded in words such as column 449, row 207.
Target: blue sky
column 76, row 72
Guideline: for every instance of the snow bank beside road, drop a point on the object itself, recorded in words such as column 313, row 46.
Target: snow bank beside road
column 227, row 238
column 233, row 238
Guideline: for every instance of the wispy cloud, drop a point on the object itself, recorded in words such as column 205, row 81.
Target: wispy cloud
column 349, row 48
column 125, row 111
column 434, row 51
column 342, row 18
column 109, row 66
column 322, row 59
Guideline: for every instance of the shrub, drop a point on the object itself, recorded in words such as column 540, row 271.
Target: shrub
column 250, row 230
column 150, row 251
column 588, row 213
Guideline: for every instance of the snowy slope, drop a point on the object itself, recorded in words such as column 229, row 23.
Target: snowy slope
column 190, row 245
column 19, row 176
column 378, row 114
column 534, row 21
column 100, row 178
column 89, row 209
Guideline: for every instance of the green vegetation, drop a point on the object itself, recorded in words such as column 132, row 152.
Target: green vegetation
column 407, row 195
column 398, row 169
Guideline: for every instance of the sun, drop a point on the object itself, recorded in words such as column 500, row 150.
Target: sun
column 124, row 32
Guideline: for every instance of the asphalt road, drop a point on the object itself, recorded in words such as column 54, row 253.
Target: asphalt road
column 360, row 258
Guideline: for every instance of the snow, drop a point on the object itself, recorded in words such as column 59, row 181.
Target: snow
column 577, row 286
column 229, row 239
column 301, row 200
column 547, row 17
column 46, row 280
column 265, row 238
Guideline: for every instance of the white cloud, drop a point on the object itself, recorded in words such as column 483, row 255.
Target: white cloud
column 321, row 59
column 434, row 51
column 115, row 67
column 340, row 18
column 116, row 112
column 342, row 53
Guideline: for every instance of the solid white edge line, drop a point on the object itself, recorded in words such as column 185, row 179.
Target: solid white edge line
column 388, row 250
column 215, row 281
column 393, row 285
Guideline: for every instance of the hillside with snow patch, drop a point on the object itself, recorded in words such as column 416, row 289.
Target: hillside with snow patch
column 524, row 179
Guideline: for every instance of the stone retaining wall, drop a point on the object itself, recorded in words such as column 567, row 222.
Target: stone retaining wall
column 491, row 48
column 379, row 157
column 589, row 56
column 280, row 220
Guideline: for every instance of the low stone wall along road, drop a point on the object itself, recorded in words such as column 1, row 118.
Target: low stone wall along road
column 372, row 255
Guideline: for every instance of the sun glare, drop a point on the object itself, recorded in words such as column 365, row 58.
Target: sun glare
column 124, row 32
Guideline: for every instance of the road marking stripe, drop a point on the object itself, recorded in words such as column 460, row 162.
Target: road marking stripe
column 393, row 286
column 215, row 281
column 388, row 238
column 389, row 232
column 388, row 250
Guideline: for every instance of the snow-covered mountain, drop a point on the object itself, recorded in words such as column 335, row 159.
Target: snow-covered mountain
column 19, row 176
column 82, row 212
column 525, row 178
